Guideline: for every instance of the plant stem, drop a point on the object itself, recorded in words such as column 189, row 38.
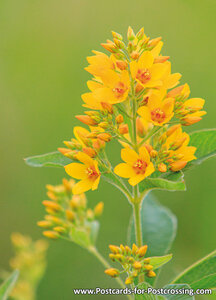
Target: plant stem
column 137, row 221
column 95, row 252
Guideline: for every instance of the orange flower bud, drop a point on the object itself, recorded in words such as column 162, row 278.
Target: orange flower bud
column 187, row 121
column 89, row 151
column 177, row 144
column 111, row 47
column 98, row 144
column 52, row 205
column 117, row 35
column 103, row 125
column 114, row 249
column 178, row 165
column 153, row 153
column 161, row 59
column 70, row 215
column 162, row 168
column 154, row 42
column 87, row 120
column 98, row 210
column 142, row 251
column 122, row 65
column 119, row 43
column 140, row 127
column 119, row 119
column 106, row 137
column 129, row 280
column 64, row 151
column 44, row 224
column 148, row 267
column 60, row 229
column 172, row 129
column 135, row 55
column 130, row 34
column 51, row 234
column 151, row 274
column 137, row 265
column 138, row 88
column 140, row 34
column 134, row 249
column 90, row 214
column 112, row 272
column 148, row 147
column 123, row 128
column 107, row 106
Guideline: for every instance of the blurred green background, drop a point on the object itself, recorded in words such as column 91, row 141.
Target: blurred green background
column 43, row 51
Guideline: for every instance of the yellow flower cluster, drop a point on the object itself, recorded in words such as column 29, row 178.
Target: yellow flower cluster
column 133, row 98
column 67, row 214
column 133, row 262
column 30, row 260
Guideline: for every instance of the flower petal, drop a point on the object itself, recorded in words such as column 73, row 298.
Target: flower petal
column 95, row 184
column 146, row 60
column 82, row 186
column 136, row 179
column 144, row 154
column 129, row 156
column 76, row 170
column 124, row 170
column 85, row 159
column 157, row 71
column 144, row 113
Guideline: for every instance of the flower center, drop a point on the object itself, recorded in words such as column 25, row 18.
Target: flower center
column 92, row 173
column 119, row 89
column 140, row 166
column 143, row 75
column 158, row 115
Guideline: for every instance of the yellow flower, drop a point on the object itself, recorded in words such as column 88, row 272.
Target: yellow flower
column 99, row 63
column 157, row 110
column 87, row 172
column 170, row 80
column 145, row 72
column 136, row 167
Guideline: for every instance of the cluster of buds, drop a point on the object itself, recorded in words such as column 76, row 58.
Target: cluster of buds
column 67, row 213
column 133, row 262
column 30, row 260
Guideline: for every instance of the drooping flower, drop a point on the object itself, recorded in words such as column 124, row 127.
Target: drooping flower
column 136, row 166
column 87, row 171
column 159, row 110
column 145, row 72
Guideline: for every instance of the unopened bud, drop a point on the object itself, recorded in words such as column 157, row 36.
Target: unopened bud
column 178, row 165
column 98, row 210
column 122, row 65
column 119, row 119
column 162, row 168
column 89, row 151
column 70, row 215
column 129, row 280
column 153, row 153
column 111, row 47
column 140, row 127
column 142, row 251
column 106, row 137
column 114, row 249
column 107, row 106
column 60, row 229
column 44, row 224
column 148, row 147
column 112, row 272
column 90, row 214
column 51, row 234
column 140, row 34
column 134, row 249
column 172, row 129
column 52, row 205
column 98, row 144
column 161, row 59
column 119, row 43
column 117, row 35
column 87, row 120
column 151, row 274
column 154, row 42
column 137, row 265
column 103, row 125
column 134, row 55
column 187, row 121
column 123, row 128
column 148, row 267
column 130, row 34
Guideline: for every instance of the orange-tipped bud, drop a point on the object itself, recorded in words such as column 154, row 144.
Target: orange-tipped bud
column 70, row 215
column 112, row 272
column 89, row 151
column 111, row 47
column 122, row 65
column 54, row 219
column 119, row 119
column 87, row 120
column 134, row 55
column 144, row 101
column 177, row 144
column 123, row 128
column 98, row 144
column 142, row 251
column 114, row 249
column 140, row 127
column 187, row 121
column 137, row 265
column 134, row 249
column 129, row 280
column 128, row 250
column 182, row 90
column 140, row 34
column 106, row 137
column 153, row 153
column 44, row 224
column 172, row 129
column 147, row 260
column 154, row 42
column 161, row 59
column 148, row 147
column 51, row 234
column 119, row 44
column 148, row 267
column 178, row 165
column 117, row 35
column 151, row 274
column 98, row 210
column 107, row 106
column 52, row 205
column 138, row 88
column 103, row 125
column 130, row 34
column 162, row 168
column 64, row 151
column 60, row 229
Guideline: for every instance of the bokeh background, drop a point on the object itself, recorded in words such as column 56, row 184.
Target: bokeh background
column 43, row 49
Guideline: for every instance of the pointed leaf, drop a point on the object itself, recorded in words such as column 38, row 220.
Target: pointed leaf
column 7, row 285
column 208, row 282
column 53, row 159
column 159, row 261
column 178, row 296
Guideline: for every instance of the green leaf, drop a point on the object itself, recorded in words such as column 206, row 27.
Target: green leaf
column 7, row 285
column 208, row 282
column 80, row 237
column 159, row 227
column 159, row 261
column 53, row 159
column 94, row 231
column 145, row 296
column 200, row 271
column 169, row 182
column 178, row 296
column 205, row 142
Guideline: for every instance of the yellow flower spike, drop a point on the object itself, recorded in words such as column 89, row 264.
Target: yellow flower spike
column 145, row 72
column 136, row 167
column 151, row 274
column 70, row 215
column 129, row 280
column 112, row 272
column 51, row 205
column 87, row 172
column 98, row 210
column 142, row 251
column 158, row 110
column 137, row 265
column 44, row 224
column 51, row 234
column 162, row 168
column 114, row 249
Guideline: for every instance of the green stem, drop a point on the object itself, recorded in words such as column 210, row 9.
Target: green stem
column 95, row 252
column 137, row 221
column 151, row 134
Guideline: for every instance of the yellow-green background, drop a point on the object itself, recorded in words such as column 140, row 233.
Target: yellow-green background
column 43, row 49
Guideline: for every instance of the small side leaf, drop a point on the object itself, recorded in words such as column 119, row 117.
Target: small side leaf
column 7, row 285
column 53, row 159
column 198, row 271
column 159, row 261
column 169, row 182
column 179, row 296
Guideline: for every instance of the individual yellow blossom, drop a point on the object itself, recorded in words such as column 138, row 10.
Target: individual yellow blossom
column 137, row 166
column 158, row 110
column 170, row 80
column 87, row 172
column 99, row 64
column 145, row 72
